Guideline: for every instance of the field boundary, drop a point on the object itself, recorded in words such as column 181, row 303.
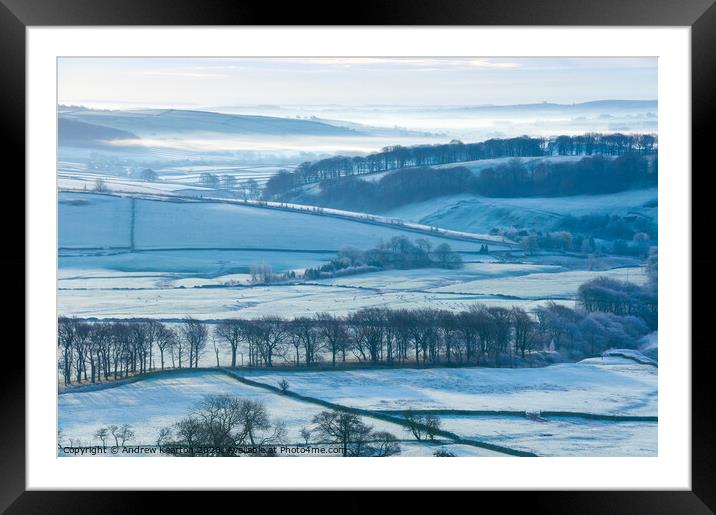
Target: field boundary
column 518, row 413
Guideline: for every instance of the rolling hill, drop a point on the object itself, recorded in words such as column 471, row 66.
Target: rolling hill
column 158, row 122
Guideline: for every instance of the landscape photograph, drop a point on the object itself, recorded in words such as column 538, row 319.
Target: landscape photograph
column 357, row 257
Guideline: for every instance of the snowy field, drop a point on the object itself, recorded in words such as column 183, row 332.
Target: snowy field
column 153, row 403
column 170, row 179
column 607, row 388
column 477, row 166
column 99, row 221
column 544, row 285
column 165, row 277
column 560, row 436
column 250, row 302
column 613, row 387
column 182, row 263
column 212, row 285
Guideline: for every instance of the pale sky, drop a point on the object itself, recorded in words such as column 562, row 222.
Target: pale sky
column 205, row 82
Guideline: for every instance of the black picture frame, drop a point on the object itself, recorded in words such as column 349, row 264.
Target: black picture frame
column 700, row 15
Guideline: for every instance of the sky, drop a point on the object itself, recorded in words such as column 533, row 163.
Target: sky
column 351, row 81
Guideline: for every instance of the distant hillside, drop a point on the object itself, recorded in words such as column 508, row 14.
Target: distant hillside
column 76, row 133
column 602, row 106
column 157, row 122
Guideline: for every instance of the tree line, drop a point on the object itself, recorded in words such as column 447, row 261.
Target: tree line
column 610, row 314
column 397, row 157
column 587, row 176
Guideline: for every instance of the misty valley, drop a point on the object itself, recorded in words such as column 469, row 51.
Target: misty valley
column 371, row 280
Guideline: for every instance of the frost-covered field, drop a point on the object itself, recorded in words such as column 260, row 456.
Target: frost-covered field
column 544, row 285
column 560, row 436
column 249, row 302
column 153, row 403
column 612, row 388
column 480, row 214
column 96, row 221
column 184, row 263
column 127, row 285
column 169, row 179
column 195, row 257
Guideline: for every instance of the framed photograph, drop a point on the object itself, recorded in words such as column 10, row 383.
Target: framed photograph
column 351, row 251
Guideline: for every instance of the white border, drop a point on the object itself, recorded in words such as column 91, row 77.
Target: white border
column 671, row 469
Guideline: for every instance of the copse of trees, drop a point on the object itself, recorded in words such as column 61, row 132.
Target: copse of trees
column 637, row 244
column 226, row 425
column 397, row 253
column 607, row 144
column 422, row 427
column 394, row 189
column 353, row 436
column 149, row 175
column 620, row 298
column 397, row 157
column 588, row 176
column 610, row 227
column 576, row 333
column 222, row 425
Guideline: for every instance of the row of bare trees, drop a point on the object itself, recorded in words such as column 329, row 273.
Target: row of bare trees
column 480, row 335
column 96, row 351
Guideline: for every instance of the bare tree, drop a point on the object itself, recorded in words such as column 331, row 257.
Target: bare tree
column 232, row 332
column 121, row 434
column 272, row 338
column 66, row 341
column 209, row 180
column 384, row 444
column 221, row 423
column 102, row 434
column 368, row 326
column 166, row 339
column 256, row 424
column 333, row 332
column 422, row 426
column 344, row 429
column 216, row 350
column 228, row 182
column 82, row 348
column 523, row 327
column 261, row 272
column 165, row 436
column 100, row 185
column 305, row 330
column 306, row 434
column 195, row 334
column 188, row 434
